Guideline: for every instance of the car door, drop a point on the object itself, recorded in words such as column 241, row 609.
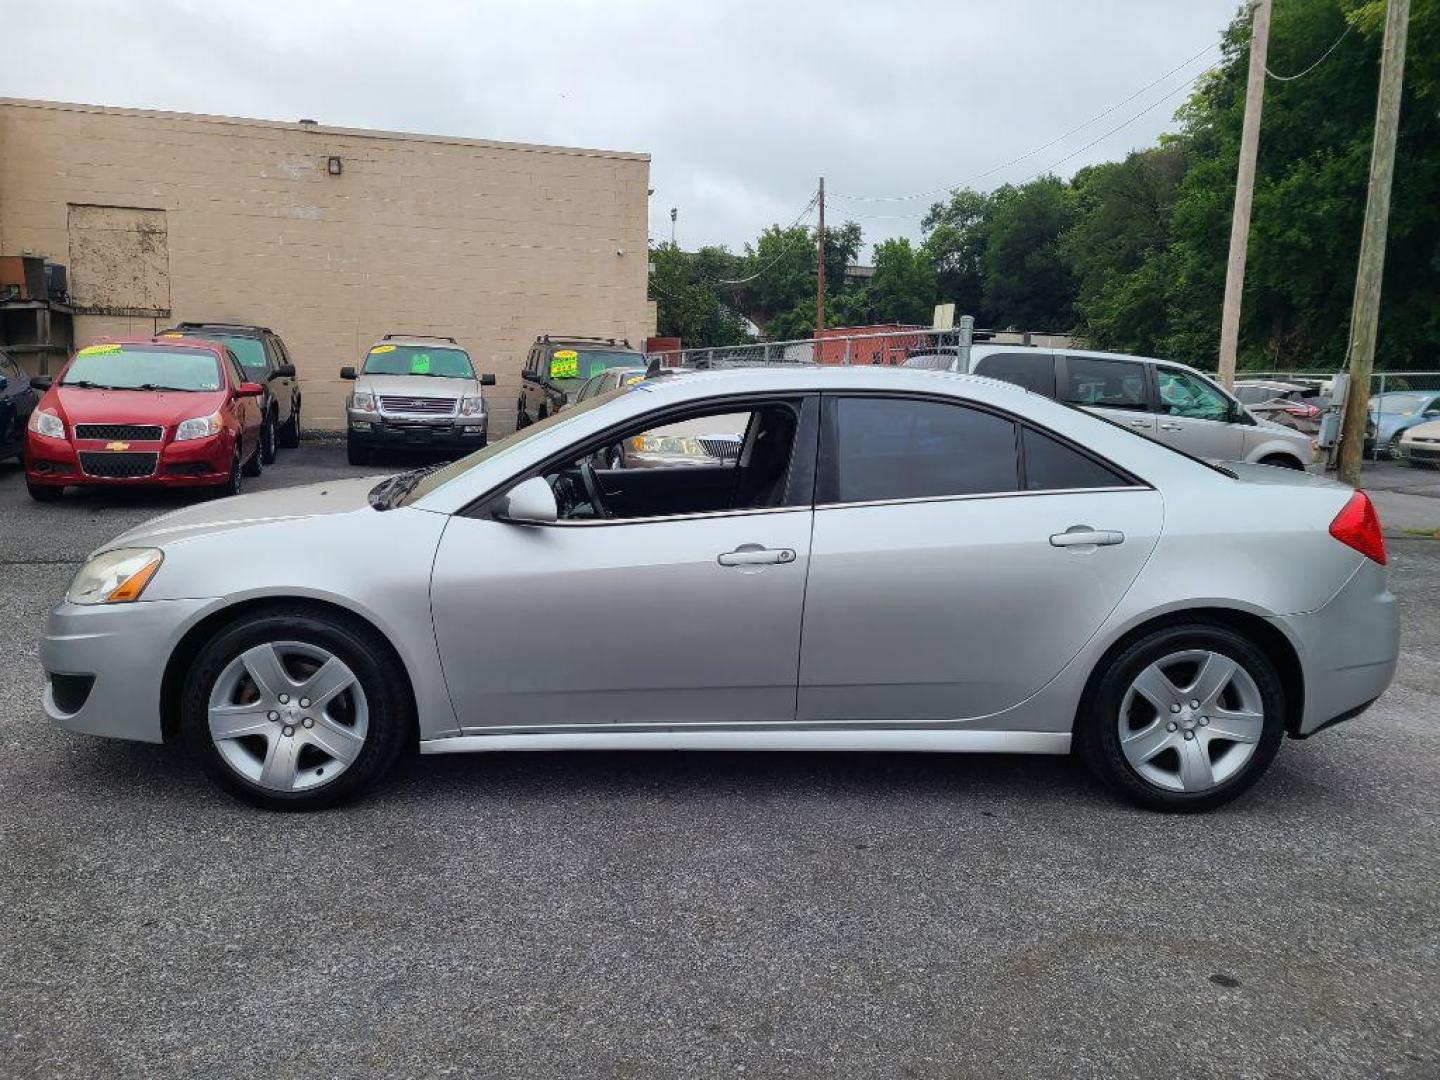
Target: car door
column 669, row 618
column 282, row 387
column 959, row 560
column 1195, row 416
column 246, row 410
column 1114, row 388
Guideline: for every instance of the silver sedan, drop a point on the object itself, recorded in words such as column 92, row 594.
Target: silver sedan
column 895, row 560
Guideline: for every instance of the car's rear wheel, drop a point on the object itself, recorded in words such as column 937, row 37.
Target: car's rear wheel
column 1185, row 718
column 44, row 493
column 1282, row 461
column 267, row 438
column 290, row 430
column 231, row 486
column 254, row 464
column 356, row 452
column 292, row 709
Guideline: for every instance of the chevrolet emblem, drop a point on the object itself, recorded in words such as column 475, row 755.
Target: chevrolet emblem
column 117, row 446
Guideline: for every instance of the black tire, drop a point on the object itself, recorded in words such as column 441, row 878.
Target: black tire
column 232, row 484
column 268, row 437
column 391, row 713
column 1097, row 729
column 290, row 430
column 41, row 493
column 356, row 452
column 1282, row 461
column 254, row 464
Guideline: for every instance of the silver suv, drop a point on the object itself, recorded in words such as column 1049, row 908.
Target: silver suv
column 1168, row 402
column 417, row 391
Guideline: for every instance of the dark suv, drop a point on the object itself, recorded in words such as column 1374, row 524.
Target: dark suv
column 265, row 361
column 557, row 366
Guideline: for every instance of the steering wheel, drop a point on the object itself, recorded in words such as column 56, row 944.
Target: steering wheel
column 592, row 489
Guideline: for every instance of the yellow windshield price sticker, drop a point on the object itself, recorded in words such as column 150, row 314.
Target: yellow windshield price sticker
column 633, row 379
column 565, row 364
column 172, row 334
column 382, row 349
column 420, row 364
column 98, row 350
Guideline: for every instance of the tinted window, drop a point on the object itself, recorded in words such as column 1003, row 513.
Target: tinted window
column 1110, row 384
column 1183, row 394
column 1050, row 465
column 8, row 368
column 1033, row 370
column 898, row 448
column 235, row 368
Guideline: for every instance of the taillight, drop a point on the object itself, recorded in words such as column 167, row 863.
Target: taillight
column 1358, row 526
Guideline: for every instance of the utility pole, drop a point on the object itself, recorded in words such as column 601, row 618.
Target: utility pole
column 820, row 266
column 1365, row 313
column 1244, row 193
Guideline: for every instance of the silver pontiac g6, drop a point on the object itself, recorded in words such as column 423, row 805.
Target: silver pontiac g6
column 894, row 560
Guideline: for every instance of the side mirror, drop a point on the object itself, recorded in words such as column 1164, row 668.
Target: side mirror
column 249, row 389
column 41, row 382
column 347, row 373
column 529, row 376
column 528, row 503
column 487, row 379
column 284, row 371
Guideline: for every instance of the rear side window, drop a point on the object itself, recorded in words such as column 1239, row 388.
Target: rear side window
column 1107, row 384
column 1033, row 370
column 1050, row 465
column 903, row 448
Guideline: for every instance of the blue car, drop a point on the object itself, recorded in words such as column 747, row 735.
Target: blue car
column 18, row 399
column 1397, row 411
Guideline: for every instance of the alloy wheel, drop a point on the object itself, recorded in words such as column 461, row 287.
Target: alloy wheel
column 1191, row 720
column 288, row 716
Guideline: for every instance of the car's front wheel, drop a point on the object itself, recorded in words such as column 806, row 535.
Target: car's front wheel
column 295, row 709
column 1185, row 718
column 356, row 452
column 267, row 438
column 290, row 430
column 43, row 493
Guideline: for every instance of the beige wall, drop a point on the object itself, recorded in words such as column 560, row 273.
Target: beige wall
column 492, row 243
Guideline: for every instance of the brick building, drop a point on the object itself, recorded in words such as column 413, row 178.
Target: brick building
column 331, row 236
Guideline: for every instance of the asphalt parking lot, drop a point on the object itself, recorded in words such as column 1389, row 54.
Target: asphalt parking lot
column 639, row 915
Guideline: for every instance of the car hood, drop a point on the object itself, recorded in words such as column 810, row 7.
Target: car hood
column 418, row 385
column 1428, row 430
column 246, row 511
column 80, row 406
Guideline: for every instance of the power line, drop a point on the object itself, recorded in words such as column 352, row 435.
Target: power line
column 1037, row 150
column 1323, row 57
column 783, row 251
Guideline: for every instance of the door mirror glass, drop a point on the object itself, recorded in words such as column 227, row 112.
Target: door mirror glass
column 40, row 382
column 284, row 371
column 528, row 503
column 347, row 373
column 487, row 379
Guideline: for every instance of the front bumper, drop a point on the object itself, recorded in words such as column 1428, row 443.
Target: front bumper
column 377, row 429
column 192, row 463
column 121, row 651
column 1348, row 649
column 1426, row 453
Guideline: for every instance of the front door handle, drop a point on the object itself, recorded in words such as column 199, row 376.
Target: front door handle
column 1171, row 427
column 1085, row 536
column 756, row 555
column 1140, row 423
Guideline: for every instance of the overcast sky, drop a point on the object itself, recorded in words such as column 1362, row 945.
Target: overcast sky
column 741, row 105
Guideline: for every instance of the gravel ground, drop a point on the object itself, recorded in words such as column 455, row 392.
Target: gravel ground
column 638, row 915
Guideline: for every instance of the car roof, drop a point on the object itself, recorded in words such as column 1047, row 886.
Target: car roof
column 162, row 342
column 418, row 339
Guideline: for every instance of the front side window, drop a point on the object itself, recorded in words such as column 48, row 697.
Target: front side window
column 442, row 363
column 1105, row 384
column 117, row 366
column 1032, row 370
column 250, row 352
column 904, row 448
column 8, row 367
column 1183, row 394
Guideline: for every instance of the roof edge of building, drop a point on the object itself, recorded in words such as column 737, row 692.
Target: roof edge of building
column 320, row 129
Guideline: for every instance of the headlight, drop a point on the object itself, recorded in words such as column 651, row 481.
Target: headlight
column 472, row 406
column 116, row 577
column 671, row 445
column 199, row 427
column 47, row 422
column 361, row 401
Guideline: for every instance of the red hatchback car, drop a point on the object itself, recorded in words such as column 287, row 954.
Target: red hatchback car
column 145, row 411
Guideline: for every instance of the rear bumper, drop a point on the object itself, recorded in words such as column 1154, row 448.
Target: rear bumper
column 1348, row 649
column 193, row 463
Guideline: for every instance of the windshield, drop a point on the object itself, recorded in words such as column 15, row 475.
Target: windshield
column 449, row 472
column 568, row 364
column 442, row 363
column 144, row 367
column 1399, row 402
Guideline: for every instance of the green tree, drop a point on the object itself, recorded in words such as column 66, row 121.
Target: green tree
column 1028, row 283
column 688, row 305
column 956, row 235
column 902, row 289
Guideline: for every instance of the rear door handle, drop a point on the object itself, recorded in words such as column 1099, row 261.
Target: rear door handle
column 1171, row 427
column 755, row 555
column 1140, row 423
column 1084, row 536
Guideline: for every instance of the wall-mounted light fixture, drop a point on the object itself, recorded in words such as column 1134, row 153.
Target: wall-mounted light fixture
column 333, row 166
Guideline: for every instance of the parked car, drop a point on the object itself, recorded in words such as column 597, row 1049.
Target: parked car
column 18, row 398
column 145, row 411
column 266, row 361
column 1396, row 411
column 1170, row 403
column 974, row 569
column 413, row 390
column 706, row 442
column 1294, row 405
column 931, row 361
column 1420, row 445
column 557, row 367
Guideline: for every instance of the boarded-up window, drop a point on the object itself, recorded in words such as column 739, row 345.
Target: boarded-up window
column 119, row 261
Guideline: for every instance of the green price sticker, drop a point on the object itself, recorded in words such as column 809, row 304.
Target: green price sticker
column 565, row 364
column 420, row 364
